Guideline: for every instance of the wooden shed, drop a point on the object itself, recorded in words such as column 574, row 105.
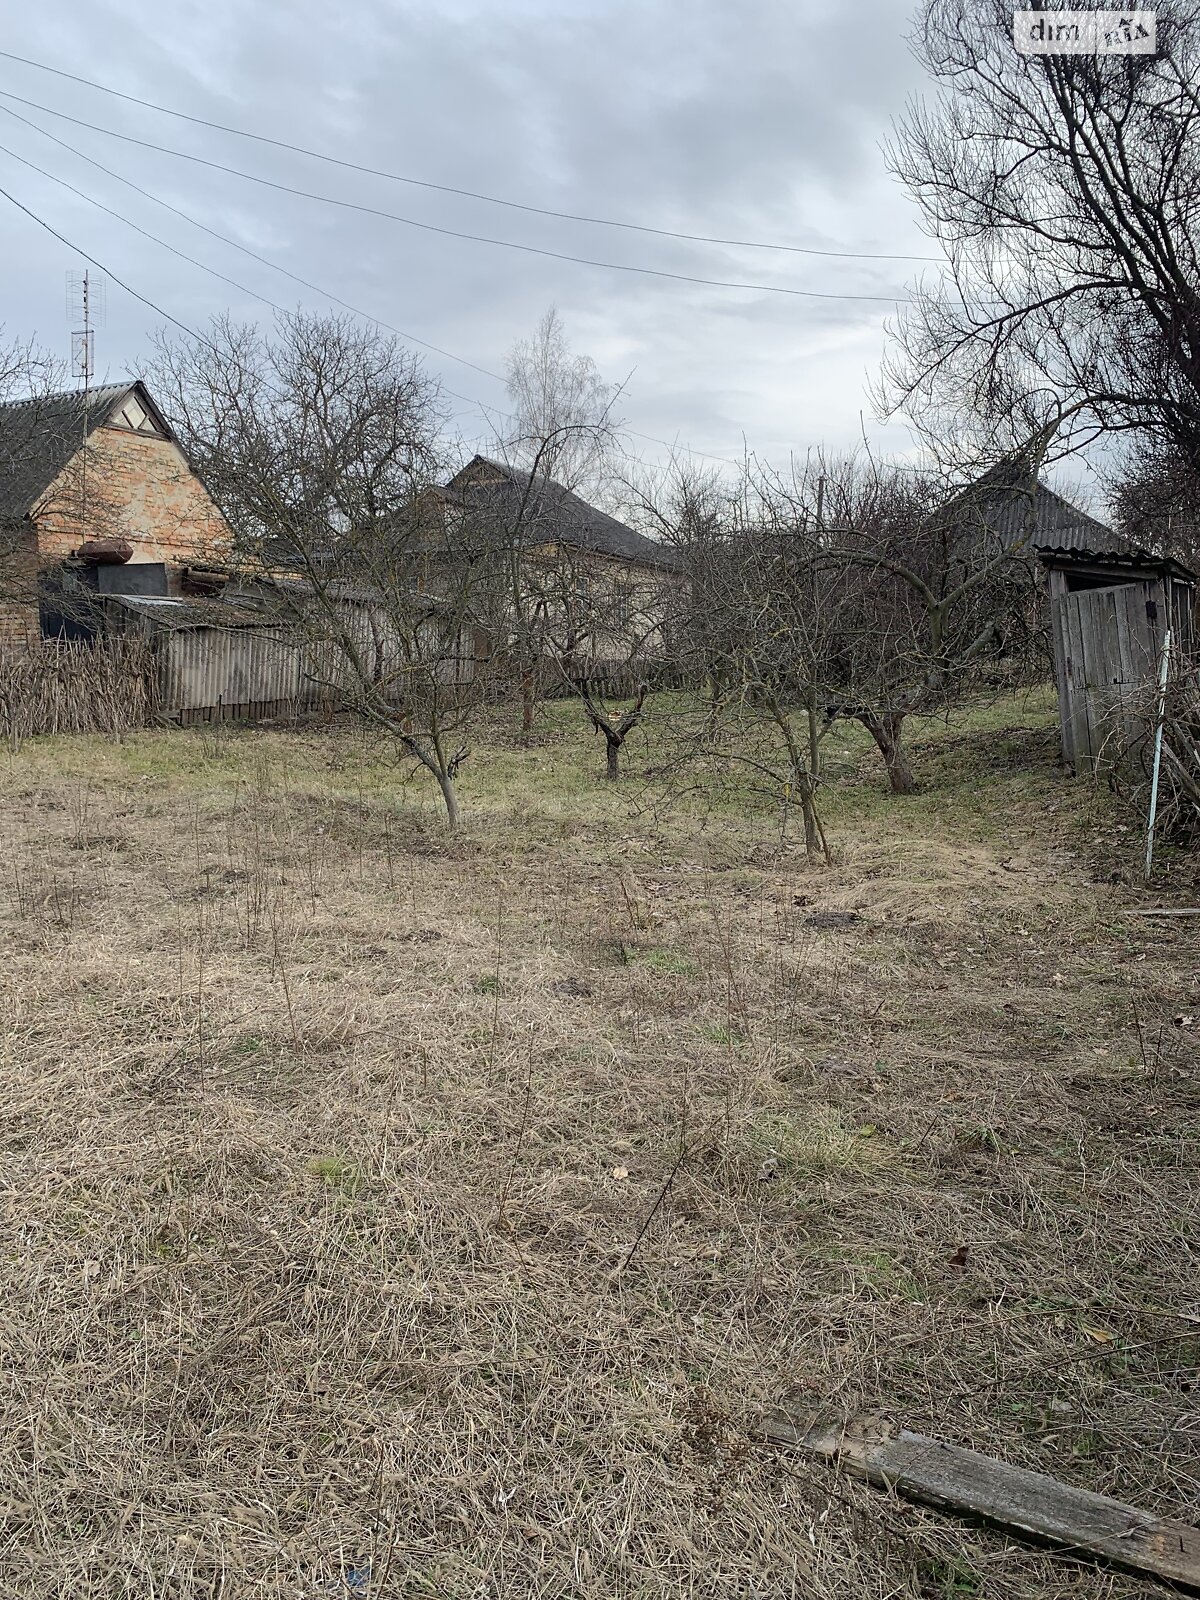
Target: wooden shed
column 219, row 660
column 1109, row 614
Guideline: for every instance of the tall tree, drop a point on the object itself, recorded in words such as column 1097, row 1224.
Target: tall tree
column 562, row 423
column 1065, row 191
column 937, row 593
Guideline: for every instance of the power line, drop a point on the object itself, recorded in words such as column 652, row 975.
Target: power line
column 467, row 194
column 649, row 438
column 245, row 249
column 452, row 233
column 467, row 399
column 100, row 267
column 145, row 233
column 129, row 289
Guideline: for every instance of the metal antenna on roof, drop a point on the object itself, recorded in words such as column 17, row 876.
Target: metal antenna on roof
column 85, row 304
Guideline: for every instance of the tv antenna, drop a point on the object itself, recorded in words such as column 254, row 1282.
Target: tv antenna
column 85, row 308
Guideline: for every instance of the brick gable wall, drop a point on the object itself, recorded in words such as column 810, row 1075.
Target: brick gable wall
column 141, row 489
column 19, row 621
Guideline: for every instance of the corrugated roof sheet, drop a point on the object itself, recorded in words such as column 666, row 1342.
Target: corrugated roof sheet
column 40, row 435
column 1056, row 523
column 170, row 613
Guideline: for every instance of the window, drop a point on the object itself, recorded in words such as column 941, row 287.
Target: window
column 133, row 415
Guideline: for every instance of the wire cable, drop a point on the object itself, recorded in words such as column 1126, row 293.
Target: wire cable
column 467, row 194
column 470, row 400
column 108, row 272
column 453, row 233
column 234, row 243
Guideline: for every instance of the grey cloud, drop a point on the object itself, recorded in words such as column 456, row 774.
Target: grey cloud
column 758, row 121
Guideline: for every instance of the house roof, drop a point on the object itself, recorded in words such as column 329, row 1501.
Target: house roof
column 1056, row 523
column 556, row 512
column 1003, row 500
column 39, row 436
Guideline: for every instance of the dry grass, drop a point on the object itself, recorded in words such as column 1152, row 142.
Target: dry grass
column 392, row 1215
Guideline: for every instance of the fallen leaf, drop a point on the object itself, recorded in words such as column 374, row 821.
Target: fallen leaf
column 1099, row 1335
column 91, row 1269
column 867, row 1130
column 620, row 1172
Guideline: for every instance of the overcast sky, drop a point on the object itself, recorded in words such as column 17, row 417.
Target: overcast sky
column 754, row 119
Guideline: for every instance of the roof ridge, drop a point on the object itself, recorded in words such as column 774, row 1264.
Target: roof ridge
column 58, row 396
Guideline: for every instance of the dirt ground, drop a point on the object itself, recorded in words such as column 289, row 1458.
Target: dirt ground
column 386, row 1213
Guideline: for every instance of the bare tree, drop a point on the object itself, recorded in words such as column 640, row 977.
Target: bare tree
column 559, row 439
column 607, row 634
column 939, row 593
column 1065, row 190
column 567, row 610
column 320, row 444
column 759, row 622
column 851, row 589
column 692, row 509
column 563, row 420
column 1155, row 493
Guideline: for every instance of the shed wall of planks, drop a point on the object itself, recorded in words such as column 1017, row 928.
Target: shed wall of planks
column 1106, row 644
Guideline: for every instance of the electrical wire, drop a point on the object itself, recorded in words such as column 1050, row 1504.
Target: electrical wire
column 108, row 272
column 452, row 233
column 224, row 238
column 470, row 400
column 468, row 194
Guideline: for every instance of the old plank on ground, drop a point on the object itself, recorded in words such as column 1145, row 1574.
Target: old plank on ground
column 1076, row 1521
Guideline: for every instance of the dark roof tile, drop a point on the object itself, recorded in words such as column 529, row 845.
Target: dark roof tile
column 39, row 436
column 555, row 511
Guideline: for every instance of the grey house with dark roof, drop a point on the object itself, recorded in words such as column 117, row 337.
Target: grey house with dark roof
column 539, row 511
column 601, row 593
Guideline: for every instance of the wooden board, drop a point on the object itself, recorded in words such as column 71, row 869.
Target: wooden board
column 1074, row 1521
column 1106, row 652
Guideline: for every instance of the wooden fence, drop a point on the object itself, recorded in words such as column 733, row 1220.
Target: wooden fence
column 52, row 686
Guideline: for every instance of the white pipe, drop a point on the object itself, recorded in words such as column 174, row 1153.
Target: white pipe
column 1158, row 739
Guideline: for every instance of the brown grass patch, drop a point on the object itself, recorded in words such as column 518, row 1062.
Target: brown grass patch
column 329, row 1147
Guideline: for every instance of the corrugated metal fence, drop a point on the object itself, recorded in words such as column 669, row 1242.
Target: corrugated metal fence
column 210, row 673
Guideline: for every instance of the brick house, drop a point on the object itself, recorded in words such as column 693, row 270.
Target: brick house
column 109, row 493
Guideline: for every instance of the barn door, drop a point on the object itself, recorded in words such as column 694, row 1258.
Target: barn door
column 1110, row 641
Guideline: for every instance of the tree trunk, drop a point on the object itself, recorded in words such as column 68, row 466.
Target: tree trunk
column 814, row 835
column 614, row 755
column 886, row 732
column 446, row 785
column 528, row 701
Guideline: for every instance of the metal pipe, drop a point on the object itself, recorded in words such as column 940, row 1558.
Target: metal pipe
column 1163, row 668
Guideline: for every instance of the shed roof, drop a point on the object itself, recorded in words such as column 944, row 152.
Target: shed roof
column 176, row 614
column 554, row 511
column 1003, row 499
column 39, row 435
column 1057, row 524
column 1131, row 559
